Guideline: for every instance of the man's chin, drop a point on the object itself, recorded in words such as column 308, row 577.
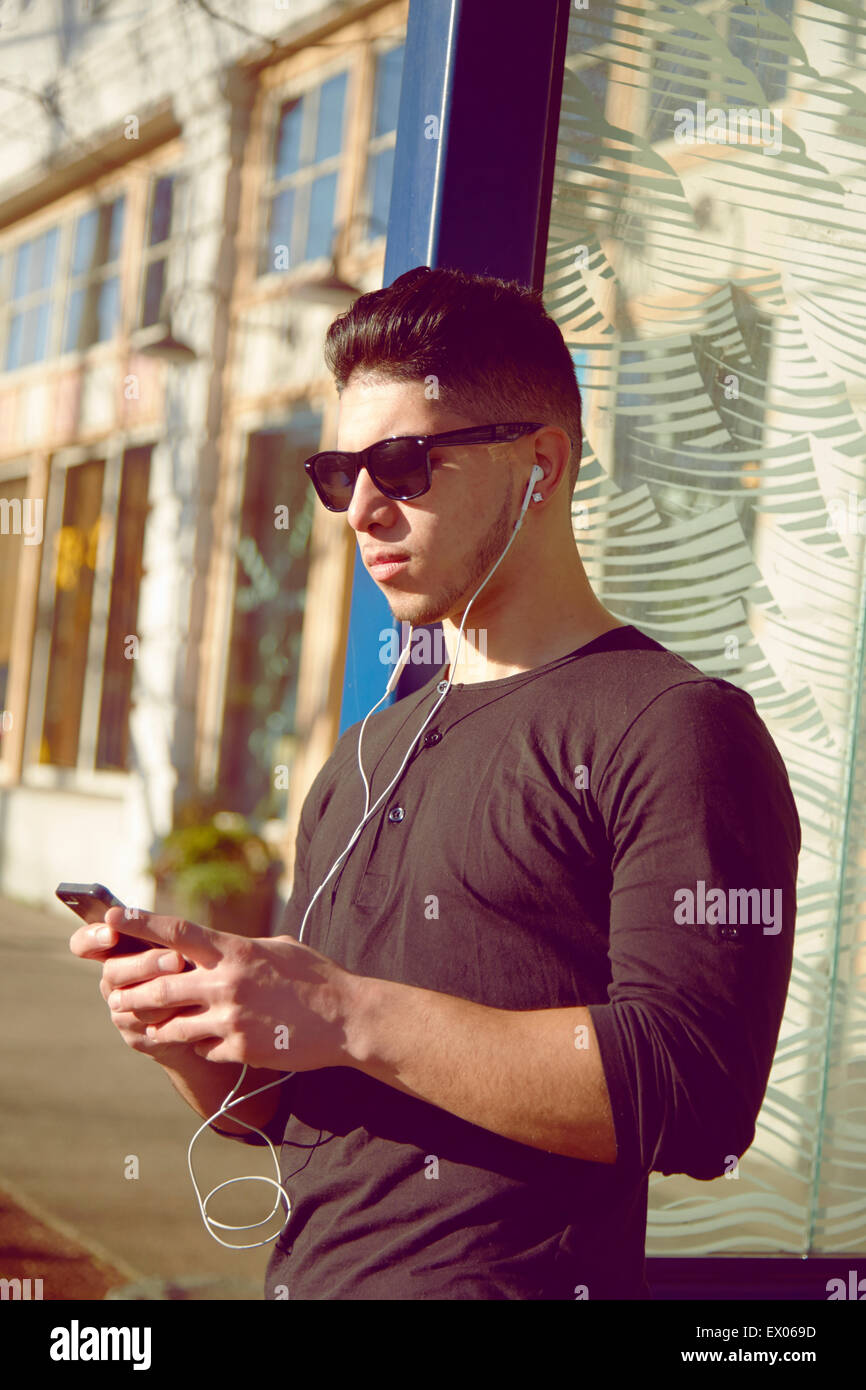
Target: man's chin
column 424, row 617
column 422, row 610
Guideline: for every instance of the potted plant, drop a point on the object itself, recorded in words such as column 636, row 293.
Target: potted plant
column 217, row 871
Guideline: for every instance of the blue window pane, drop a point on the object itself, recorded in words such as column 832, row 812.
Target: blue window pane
column 98, row 237
column 40, row 317
column 107, row 309
column 745, row 43
column 280, row 233
column 13, row 346
column 43, row 259
column 379, row 191
column 676, row 78
column 288, row 156
column 329, row 136
column 115, row 236
column 52, row 241
column 320, row 235
column 73, row 320
column 22, row 270
column 389, row 75
column 85, row 242
column 160, row 211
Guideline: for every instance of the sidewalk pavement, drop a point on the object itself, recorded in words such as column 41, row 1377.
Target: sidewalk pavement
column 33, row 1249
column 81, row 1112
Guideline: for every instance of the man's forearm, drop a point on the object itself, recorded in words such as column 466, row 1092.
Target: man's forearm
column 534, row 1076
column 204, row 1086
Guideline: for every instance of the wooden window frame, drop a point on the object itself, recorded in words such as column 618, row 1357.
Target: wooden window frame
column 169, row 250
column 30, row 300
column 376, row 144
column 90, row 281
column 84, row 776
column 132, row 182
column 311, row 82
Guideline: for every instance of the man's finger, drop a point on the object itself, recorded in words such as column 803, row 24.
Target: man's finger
column 199, row 944
column 84, row 944
column 184, row 1028
column 139, row 1021
column 170, row 992
column 146, row 965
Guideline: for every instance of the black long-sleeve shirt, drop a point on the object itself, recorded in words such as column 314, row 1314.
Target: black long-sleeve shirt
column 611, row 829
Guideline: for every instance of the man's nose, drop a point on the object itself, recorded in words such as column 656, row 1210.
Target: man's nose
column 367, row 502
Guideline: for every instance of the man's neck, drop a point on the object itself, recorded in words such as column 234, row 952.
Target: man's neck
column 476, row 666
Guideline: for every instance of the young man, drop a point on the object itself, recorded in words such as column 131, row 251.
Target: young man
column 556, row 957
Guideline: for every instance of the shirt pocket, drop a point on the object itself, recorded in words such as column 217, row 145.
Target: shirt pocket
column 372, row 891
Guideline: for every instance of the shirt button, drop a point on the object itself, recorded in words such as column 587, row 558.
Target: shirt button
column 434, row 736
column 442, row 687
column 396, row 814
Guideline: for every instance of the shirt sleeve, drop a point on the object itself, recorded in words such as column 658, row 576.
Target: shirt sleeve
column 695, row 799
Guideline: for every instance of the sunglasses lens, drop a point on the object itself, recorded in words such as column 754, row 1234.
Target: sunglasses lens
column 335, row 478
column 399, row 469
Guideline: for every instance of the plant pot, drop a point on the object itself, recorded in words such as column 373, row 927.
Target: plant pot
column 248, row 914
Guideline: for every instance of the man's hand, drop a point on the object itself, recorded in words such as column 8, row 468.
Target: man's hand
column 518, row 1073
column 268, row 1002
column 127, row 970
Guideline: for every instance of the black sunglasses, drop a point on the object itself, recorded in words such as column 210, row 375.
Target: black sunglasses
column 400, row 466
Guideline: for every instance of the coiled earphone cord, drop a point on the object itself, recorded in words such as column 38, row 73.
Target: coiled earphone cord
column 228, row 1103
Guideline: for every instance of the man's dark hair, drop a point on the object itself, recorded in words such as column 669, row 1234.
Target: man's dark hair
column 494, row 351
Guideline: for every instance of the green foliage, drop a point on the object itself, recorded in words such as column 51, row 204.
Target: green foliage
column 215, row 860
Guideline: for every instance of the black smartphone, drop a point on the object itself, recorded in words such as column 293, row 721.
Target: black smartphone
column 91, row 901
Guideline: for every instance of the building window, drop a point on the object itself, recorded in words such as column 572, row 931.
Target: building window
column 678, row 80
column 383, row 138
column 113, row 744
column 31, row 299
column 258, row 734
column 92, row 609
column 687, row 69
column 164, row 230
column 76, row 550
column 756, row 45
column 302, row 188
column 93, row 309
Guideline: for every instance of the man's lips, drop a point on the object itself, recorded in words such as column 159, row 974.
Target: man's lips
column 384, row 557
column 383, row 563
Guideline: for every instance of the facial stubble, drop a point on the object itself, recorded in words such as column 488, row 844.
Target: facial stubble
column 451, row 601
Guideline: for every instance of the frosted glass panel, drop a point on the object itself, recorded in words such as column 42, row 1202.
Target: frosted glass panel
column 706, row 262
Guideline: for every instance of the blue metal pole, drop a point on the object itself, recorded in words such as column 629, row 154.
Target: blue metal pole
column 473, row 180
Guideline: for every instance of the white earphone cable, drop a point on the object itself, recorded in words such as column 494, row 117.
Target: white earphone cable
column 228, row 1103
